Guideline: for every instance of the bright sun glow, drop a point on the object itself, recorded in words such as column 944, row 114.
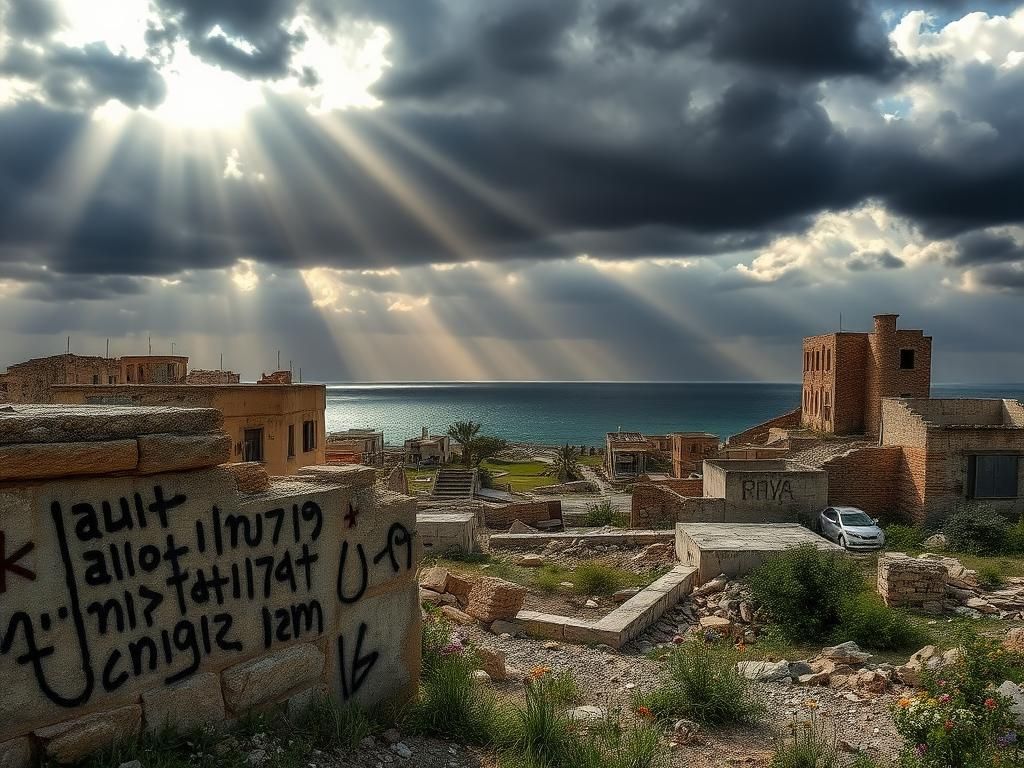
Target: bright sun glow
column 199, row 95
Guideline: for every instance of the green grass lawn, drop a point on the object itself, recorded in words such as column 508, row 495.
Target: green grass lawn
column 522, row 475
column 592, row 461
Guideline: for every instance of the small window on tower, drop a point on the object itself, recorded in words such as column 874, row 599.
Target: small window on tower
column 907, row 359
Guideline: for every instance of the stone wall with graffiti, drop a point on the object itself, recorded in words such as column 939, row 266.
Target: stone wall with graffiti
column 146, row 598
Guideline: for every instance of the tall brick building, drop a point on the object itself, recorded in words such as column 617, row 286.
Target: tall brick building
column 846, row 375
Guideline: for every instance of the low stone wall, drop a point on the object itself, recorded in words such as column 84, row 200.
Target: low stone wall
column 148, row 595
column 656, row 506
column 499, row 518
column 576, row 486
column 682, row 486
column 907, row 582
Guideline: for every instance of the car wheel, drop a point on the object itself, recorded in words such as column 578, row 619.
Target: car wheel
column 841, row 542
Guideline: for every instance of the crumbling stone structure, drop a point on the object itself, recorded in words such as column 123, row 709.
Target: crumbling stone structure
column 846, row 375
column 907, row 582
column 277, row 377
column 143, row 584
column 200, row 376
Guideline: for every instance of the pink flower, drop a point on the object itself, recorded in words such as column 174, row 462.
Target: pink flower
column 990, row 704
column 944, row 698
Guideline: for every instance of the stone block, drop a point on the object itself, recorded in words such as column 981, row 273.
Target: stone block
column 250, row 476
column 270, row 678
column 173, row 453
column 96, row 423
column 16, row 753
column 352, row 475
column 74, row 739
column 184, row 706
column 435, row 579
column 492, row 599
column 38, row 461
column 460, row 586
column 452, row 613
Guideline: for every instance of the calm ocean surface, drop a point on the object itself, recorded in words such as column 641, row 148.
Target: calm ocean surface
column 578, row 413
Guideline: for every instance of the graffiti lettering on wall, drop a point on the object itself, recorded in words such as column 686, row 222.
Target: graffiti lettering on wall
column 153, row 586
column 768, row 490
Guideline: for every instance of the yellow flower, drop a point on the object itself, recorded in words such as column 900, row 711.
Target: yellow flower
column 904, row 702
column 811, row 704
column 538, row 672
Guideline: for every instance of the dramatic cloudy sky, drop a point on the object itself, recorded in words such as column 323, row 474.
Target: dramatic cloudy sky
column 511, row 189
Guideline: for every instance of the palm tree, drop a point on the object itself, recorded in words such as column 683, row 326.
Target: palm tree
column 463, row 433
column 566, row 466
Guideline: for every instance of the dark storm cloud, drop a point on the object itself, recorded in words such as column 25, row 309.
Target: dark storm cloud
column 863, row 262
column 672, row 150
column 1001, row 277
column 85, row 77
column 987, row 248
column 807, row 38
column 253, row 39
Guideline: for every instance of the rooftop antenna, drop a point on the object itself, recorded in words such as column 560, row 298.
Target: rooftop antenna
column 840, row 322
column 300, row 374
column 69, row 345
column 279, row 359
column 291, row 368
column 108, row 347
column 172, row 349
column 151, row 345
column 222, row 361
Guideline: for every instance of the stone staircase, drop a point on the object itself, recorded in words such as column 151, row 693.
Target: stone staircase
column 454, row 484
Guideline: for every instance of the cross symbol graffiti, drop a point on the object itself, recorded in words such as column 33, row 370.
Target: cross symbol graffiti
column 350, row 516
column 11, row 563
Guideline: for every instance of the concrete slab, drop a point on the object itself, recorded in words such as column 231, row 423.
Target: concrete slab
column 442, row 532
column 623, row 538
column 735, row 549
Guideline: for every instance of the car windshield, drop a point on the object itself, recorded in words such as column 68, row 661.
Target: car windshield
column 856, row 518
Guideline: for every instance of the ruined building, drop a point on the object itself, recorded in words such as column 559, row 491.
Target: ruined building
column 846, row 375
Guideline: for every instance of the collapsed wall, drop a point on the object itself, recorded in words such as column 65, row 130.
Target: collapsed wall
column 143, row 584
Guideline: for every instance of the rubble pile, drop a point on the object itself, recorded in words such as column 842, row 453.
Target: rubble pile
column 467, row 601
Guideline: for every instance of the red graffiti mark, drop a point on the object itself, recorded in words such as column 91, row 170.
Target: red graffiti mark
column 350, row 516
column 11, row 563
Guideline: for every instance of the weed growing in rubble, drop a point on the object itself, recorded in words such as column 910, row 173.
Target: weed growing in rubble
column 701, row 683
column 804, row 589
column 597, row 579
column 869, row 622
column 605, row 513
column 806, row 743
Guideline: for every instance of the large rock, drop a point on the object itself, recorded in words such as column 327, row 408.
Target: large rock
column 270, row 678
column 16, row 753
column 846, row 653
column 492, row 661
column 452, row 613
column 763, row 671
column 184, row 706
column 717, row 624
column 1015, row 639
column 74, row 739
column 1013, row 692
column 435, row 579
column 460, row 586
column 717, row 584
column 937, row 542
column 924, row 660
column 492, row 599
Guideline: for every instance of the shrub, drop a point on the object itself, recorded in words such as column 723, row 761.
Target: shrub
column 548, row 578
column 1015, row 538
column 869, row 622
column 958, row 721
column 807, row 745
column 541, row 733
column 325, row 724
column 605, row 513
column 804, row 588
column 901, row 538
column 701, row 683
column 980, row 531
column 990, row 576
column 597, row 579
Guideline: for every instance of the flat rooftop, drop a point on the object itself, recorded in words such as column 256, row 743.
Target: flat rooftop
column 751, row 537
column 760, row 465
column 966, row 413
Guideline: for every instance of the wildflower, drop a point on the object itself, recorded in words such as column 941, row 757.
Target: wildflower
column 454, row 647
column 948, row 725
column 921, row 749
column 644, row 711
column 944, row 698
column 811, row 704
column 904, row 702
column 538, row 672
column 990, row 704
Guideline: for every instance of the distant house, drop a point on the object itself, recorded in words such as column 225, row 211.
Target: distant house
column 625, row 454
column 356, row 446
column 689, row 449
column 428, row 449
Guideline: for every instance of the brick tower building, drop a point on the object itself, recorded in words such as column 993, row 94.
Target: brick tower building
column 846, row 375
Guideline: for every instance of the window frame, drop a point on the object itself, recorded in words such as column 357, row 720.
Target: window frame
column 911, row 354
column 972, row 475
column 309, row 436
column 291, row 441
column 246, row 441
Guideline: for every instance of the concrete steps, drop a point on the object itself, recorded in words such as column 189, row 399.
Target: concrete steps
column 454, row 484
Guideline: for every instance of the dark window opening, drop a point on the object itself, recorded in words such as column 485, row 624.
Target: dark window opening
column 291, row 440
column 308, row 436
column 252, row 445
column 907, row 359
column 95, row 379
column 993, row 476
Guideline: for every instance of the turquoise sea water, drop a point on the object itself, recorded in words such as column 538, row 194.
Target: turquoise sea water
column 578, row 413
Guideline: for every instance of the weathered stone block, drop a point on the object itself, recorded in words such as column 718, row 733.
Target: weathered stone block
column 186, row 705
column 173, row 453
column 250, row 476
column 492, row 599
column 270, row 678
column 74, row 739
column 30, row 461
column 16, row 753
column 95, row 423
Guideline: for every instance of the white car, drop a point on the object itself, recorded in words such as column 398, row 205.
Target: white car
column 851, row 528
